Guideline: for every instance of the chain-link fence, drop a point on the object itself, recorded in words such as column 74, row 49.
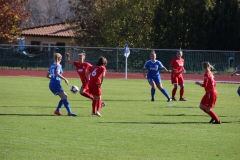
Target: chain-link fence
column 35, row 58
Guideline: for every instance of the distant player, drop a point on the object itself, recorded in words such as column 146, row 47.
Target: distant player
column 96, row 75
column 177, row 67
column 237, row 73
column 153, row 75
column 81, row 68
column 55, row 75
column 209, row 99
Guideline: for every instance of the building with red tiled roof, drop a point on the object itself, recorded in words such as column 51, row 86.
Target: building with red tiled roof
column 60, row 34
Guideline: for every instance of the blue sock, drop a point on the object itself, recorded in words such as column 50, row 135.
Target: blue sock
column 59, row 105
column 153, row 92
column 165, row 93
column 67, row 106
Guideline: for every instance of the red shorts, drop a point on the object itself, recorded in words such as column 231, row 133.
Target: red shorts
column 94, row 89
column 177, row 79
column 85, row 85
column 209, row 99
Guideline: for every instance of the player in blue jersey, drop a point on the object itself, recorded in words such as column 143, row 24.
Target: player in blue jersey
column 55, row 75
column 153, row 75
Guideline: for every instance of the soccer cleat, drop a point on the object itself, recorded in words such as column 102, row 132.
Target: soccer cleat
column 174, row 99
column 103, row 104
column 211, row 121
column 182, row 99
column 152, row 99
column 169, row 100
column 93, row 114
column 57, row 113
column 72, row 114
column 216, row 122
column 98, row 114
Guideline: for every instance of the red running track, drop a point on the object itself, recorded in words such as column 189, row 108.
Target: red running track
column 120, row 75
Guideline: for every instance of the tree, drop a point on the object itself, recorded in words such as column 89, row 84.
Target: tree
column 224, row 26
column 13, row 13
column 44, row 12
column 113, row 23
column 181, row 23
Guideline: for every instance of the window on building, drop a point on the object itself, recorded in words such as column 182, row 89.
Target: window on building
column 48, row 46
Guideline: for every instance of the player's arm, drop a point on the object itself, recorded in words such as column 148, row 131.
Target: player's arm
column 60, row 76
column 184, row 71
column 165, row 69
column 87, row 74
column 48, row 75
column 68, row 59
column 204, row 84
column 102, row 78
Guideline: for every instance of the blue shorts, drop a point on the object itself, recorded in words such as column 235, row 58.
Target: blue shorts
column 56, row 88
column 156, row 79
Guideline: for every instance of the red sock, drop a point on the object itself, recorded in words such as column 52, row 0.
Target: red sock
column 174, row 92
column 86, row 94
column 214, row 115
column 94, row 106
column 181, row 92
column 99, row 104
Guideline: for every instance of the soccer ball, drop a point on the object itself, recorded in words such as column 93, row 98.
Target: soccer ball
column 74, row 89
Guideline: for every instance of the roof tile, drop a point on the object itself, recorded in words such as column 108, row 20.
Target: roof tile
column 53, row 30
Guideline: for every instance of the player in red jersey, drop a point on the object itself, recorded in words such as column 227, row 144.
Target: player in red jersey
column 177, row 67
column 95, row 75
column 209, row 99
column 81, row 68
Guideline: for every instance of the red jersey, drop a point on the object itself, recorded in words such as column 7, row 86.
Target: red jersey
column 82, row 69
column 178, row 65
column 96, row 73
column 209, row 83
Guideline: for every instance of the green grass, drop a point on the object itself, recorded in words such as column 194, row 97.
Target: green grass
column 132, row 127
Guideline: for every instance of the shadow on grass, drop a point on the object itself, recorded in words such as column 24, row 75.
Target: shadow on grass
column 180, row 115
column 161, row 122
column 27, row 115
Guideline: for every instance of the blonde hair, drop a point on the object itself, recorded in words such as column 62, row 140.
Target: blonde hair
column 153, row 52
column 82, row 54
column 57, row 56
column 208, row 67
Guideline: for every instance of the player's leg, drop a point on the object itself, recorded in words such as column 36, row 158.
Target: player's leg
column 211, row 100
column 57, row 111
column 160, row 87
column 56, row 89
column 181, row 83
column 153, row 87
column 84, row 91
column 63, row 97
column 175, row 86
column 238, row 91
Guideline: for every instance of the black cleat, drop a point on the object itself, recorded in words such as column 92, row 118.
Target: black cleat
column 169, row 100
column 211, row 121
column 182, row 99
column 174, row 99
column 152, row 99
column 216, row 122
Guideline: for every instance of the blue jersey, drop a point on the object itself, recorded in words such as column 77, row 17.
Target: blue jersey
column 55, row 81
column 153, row 68
column 52, row 70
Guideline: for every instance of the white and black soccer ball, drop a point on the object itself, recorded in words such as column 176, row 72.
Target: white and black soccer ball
column 74, row 89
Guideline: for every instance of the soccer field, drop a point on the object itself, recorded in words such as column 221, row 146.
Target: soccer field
column 132, row 127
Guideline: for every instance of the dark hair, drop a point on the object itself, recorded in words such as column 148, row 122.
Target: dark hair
column 102, row 61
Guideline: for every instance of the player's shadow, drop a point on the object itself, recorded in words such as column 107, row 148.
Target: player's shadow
column 178, row 115
column 41, row 115
column 141, row 123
